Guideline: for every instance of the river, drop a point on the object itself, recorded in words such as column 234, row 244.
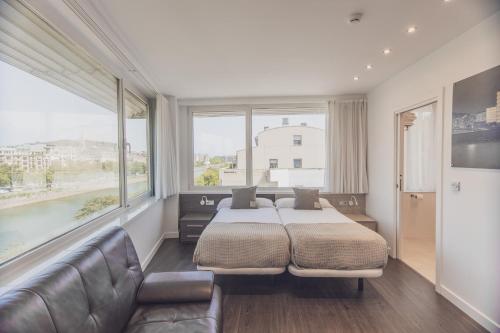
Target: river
column 27, row 226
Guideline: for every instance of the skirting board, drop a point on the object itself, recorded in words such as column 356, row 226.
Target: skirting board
column 470, row 310
column 171, row 234
column 152, row 253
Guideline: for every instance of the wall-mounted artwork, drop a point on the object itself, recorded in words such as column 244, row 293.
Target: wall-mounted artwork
column 476, row 121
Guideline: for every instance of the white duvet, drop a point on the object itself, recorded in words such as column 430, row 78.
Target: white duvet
column 259, row 215
column 325, row 215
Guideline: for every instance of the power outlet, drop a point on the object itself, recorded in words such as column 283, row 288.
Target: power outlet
column 210, row 202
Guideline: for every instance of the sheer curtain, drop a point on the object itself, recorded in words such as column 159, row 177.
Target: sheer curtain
column 347, row 144
column 166, row 180
column 419, row 154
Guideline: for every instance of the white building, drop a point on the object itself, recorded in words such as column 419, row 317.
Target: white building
column 283, row 157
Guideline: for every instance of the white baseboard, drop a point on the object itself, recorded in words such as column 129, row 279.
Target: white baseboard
column 470, row 310
column 152, row 253
column 171, row 234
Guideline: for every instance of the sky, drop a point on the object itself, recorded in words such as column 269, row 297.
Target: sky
column 223, row 136
column 34, row 110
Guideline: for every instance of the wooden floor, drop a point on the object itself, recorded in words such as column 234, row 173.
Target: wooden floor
column 399, row 301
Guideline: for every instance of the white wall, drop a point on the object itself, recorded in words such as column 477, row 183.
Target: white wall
column 470, row 263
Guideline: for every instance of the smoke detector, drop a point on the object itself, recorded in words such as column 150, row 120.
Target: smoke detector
column 355, row 18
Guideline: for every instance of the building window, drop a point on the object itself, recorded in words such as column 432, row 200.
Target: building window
column 297, row 140
column 273, row 163
column 137, row 144
column 219, row 154
column 60, row 157
column 297, row 163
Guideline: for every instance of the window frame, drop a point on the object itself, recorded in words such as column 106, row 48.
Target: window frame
column 124, row 205
column 297, row 142
column 248, row 109
column 150, row 192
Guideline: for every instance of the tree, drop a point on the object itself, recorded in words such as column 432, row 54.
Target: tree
column 95, row 205
column 49, row 177
column 209, row 178
column 216, row 160
column 10, row 174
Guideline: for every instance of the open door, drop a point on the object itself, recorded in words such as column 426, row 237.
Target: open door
column 417, row 190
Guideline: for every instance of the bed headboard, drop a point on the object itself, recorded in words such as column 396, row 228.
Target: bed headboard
column 190, row 202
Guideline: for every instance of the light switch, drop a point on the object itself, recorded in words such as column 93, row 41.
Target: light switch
column 455, row 186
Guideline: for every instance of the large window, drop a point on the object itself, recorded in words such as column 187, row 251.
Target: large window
column 137, row 139
column 219, row 155
column 286, row 146
column 60, row 161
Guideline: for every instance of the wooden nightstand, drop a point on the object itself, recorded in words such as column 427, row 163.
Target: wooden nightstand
column 364, row 220
column 192, row 224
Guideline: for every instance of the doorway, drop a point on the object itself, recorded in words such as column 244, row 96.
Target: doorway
column 417, row 189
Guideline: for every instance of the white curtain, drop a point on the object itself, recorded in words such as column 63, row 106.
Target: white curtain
column 166, row 180
column 419, row 154
column 347, row 142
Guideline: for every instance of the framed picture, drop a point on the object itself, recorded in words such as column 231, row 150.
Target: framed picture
column 476, row 121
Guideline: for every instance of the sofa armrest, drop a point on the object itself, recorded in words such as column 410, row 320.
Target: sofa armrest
column 169, row 287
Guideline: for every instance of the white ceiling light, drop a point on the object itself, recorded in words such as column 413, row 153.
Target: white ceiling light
column 356, row 78
column 387, row 51
column 369, row 67
column 412, row 29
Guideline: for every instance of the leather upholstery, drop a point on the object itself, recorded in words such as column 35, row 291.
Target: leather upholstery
column 181, row 317
column 94, row 290
column 176, row 287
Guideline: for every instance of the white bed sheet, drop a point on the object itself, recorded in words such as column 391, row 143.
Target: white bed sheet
column 259, row 215
column 325, row 215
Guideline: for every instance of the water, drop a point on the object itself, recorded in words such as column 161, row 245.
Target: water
column 27, row 226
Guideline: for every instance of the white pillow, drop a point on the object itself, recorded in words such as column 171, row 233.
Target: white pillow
column 290, row 203
column 261, row 203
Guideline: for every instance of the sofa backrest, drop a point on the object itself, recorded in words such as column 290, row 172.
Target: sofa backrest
column 91, row 290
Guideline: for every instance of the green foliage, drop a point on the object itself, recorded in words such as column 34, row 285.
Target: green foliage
column 109, row 166
column 199, row 164
column 137, row 168
column 10, row 175
column 49, row 177
column 216, row 160
column 209, row 178
column 95, row 205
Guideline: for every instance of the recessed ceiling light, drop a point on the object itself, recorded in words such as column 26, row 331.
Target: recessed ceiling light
column 412, row 29
column 447, row 0
column 356, row 78
column 369, row 66
column 387, row 51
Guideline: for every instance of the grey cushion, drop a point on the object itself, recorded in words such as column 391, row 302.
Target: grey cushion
column 244, row 198
column 306, row 198
column 167, row 287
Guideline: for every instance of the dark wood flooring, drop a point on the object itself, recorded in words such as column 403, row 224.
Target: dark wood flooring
column 399, row 301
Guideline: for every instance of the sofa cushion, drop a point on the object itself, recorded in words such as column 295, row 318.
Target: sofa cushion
column 179, row 317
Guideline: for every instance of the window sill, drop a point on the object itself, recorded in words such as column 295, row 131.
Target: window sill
column 19, row 269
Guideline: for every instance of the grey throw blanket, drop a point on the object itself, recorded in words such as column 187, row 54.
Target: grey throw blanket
column 348, row 246
column 243, row 245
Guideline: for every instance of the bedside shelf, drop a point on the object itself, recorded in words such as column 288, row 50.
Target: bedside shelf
column 364, row 220
column 191, row 226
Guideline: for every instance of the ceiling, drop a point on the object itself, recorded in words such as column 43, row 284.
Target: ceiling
column 236, row 48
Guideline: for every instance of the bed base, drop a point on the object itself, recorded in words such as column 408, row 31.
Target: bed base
column 360, row 273
column 243, row 271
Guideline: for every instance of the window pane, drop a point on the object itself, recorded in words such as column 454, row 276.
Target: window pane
column 288, row 147
column 137, row 139
column 58, row 160
column 219, row 149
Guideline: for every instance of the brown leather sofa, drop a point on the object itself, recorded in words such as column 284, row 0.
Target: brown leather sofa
column 101, row 288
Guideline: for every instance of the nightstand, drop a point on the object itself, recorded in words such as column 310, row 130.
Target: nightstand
column 363, row 220
column 192, row 224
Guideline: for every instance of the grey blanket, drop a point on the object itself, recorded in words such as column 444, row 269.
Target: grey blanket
column 243, row 245
column 348, row 246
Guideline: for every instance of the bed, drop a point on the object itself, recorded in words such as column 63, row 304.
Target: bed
column 326, row 243
column 244, row 241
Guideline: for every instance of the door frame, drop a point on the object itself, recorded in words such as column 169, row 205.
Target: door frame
column 438, row 99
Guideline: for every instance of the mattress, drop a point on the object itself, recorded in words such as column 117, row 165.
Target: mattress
column 326, row 239
column 243, row 238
